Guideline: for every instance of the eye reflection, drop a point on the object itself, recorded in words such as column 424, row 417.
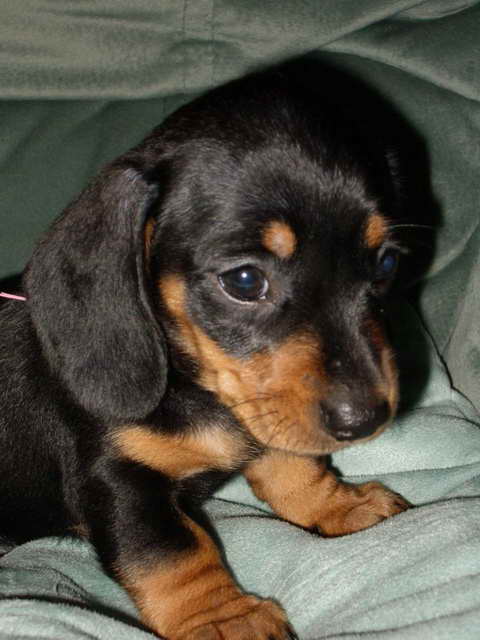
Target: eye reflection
column 246, row 283
column 387, row 265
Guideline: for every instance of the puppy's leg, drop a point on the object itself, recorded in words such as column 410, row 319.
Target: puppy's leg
column 169, row 564
column 301, row 490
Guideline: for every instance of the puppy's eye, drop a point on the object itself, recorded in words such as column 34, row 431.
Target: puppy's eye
column 246, row 283
column 386, row 266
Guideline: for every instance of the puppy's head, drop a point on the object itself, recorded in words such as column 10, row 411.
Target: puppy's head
column 252, row 229
column 271, row 253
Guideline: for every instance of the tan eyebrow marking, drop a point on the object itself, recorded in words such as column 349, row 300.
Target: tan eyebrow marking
column 375, row 231
column 280, row 239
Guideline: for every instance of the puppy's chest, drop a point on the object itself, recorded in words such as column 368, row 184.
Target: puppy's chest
column 188, row 438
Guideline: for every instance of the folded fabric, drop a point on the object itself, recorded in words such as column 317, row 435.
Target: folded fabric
column 413, row 576
column 82, row 82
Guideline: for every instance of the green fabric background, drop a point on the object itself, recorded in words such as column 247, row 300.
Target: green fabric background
column 83, row 80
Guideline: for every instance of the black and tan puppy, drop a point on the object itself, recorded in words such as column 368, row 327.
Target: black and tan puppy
column 210, row 304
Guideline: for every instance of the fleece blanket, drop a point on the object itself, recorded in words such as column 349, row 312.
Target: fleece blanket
column 80, row 82
column 414, row 576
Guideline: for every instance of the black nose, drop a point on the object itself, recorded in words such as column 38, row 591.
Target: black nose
column 350, row 420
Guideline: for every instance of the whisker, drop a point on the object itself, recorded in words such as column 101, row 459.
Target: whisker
column 262, row 415
column 260, row 396
column 419, row 243
column 290, row 426
column 275, row 429
column 411, row 226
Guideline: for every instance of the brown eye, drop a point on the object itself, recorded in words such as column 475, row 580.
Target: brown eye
column 246, row 283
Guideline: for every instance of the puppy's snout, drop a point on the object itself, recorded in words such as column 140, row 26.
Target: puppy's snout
column 348, row 419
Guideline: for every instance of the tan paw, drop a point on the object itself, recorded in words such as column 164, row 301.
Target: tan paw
column 248, row 618
column 360, row 507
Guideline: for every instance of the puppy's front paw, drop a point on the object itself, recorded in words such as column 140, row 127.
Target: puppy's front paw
column 247, row 618
column 358, row 507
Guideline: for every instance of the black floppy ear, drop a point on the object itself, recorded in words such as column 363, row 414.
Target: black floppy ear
column 89, row 300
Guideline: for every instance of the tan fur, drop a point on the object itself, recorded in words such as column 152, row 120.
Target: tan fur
column 147, row 235
column 390, row 372
column 389, row 387
column 180, row 456
column 376, row 231
column 193, row 596
column 304, row 492
column 275, row 394
column 279, row 238
column 80, row 530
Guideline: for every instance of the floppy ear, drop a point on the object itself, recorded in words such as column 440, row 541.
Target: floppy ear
column 89, row 300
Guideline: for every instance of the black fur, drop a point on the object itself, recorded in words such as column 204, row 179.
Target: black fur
column 91, row 349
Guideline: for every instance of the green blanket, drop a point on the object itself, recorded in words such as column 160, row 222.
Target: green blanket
column 414, row 576
column 82, row 81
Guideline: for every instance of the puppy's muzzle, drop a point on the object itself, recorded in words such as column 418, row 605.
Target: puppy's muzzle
column 347, row 418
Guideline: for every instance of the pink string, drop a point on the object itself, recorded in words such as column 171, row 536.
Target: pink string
column 11, row 296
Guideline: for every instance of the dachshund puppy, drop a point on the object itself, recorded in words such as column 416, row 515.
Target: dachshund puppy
column 210, row 304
